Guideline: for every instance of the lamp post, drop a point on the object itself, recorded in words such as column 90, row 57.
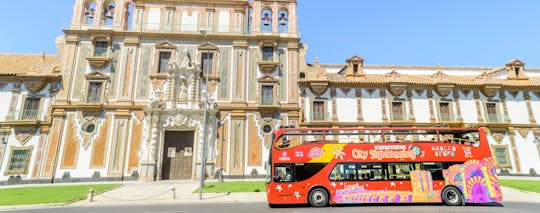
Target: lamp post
column 205, row 132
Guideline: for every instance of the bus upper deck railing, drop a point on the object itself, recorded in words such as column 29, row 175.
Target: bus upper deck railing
column 288, row 138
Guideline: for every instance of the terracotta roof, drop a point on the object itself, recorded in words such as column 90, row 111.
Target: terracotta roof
column 27, row 64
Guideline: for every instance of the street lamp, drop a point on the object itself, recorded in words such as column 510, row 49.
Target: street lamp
column 205, row 137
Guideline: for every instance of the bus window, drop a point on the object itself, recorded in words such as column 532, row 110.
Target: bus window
column 350, row 171
column 435, row 169
column 283, row 173
column 372, row 171
column 304, row 171
column 400, row 171
column 338, row 173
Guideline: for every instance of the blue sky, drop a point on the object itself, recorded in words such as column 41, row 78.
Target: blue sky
column 414, row 32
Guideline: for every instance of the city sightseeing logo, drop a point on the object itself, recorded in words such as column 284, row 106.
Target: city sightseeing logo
column 315, row 152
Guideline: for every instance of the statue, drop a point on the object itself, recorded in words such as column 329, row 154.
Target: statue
column 183, row 91
column 186, row 60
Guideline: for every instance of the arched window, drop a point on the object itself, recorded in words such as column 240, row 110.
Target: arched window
column 128, row 16
column 266, row 20
column 89, row 12
column 283, row 21
column 108, row 12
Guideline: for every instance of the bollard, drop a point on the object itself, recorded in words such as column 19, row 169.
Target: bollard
column 220, row 175
column 91, row 195
column 173, row 193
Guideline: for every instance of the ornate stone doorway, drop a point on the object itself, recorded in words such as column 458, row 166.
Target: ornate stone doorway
column 177, row 155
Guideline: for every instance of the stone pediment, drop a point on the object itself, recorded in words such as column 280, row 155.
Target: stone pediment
column 355, row 58
column 179, row 121
column 165, row 45
column 267, row 78
column 96, row 75
column 207, row 46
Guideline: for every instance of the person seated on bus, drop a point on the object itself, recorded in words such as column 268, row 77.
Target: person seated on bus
column 288, row 175
column 363, row 176
column 351, row 176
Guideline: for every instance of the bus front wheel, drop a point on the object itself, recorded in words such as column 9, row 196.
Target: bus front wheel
column 318, row 197
column 451, row 196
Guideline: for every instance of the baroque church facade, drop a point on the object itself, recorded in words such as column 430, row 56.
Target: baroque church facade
column 127, row 94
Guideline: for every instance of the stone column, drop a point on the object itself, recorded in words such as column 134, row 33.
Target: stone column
column 459, row 118
column 383, row 105
column 13, row 104
column 333, row 93
column 410, row 103
column 430, row 100
column 512, row 136
column 527, row 97
column 358, row 93
column 478, row 102
column 502, row 96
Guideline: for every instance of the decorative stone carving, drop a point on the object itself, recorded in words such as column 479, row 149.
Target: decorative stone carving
column 23, row 135
column 34, row 86
column 491, row 90
column 397, row 88
column 439, row 75
column 444, row 89
column 393, row 74
column 179, row 121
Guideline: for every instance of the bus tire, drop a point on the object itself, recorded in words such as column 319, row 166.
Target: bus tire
column 451, row 196
column 318, row 197
column 272, row 205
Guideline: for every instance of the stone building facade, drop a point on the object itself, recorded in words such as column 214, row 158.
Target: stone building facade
column 134, row 78
column 28, row 86
column 505, row 100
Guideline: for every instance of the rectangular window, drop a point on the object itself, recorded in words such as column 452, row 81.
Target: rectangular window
column 101, row 48
column 372, row 171
column 19, row 160
column 318, row 110
column 397, row 111
column 267, row 95
column 31, row 108
column 400, row 171
column 94, row 92
column 501, row 155
column 207, row 59
column 492, row 115
column 268, row 54
column 164, row 58
column 444, row 111
column 435, row 169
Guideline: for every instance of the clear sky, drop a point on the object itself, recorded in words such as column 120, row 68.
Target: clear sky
column 412, row 32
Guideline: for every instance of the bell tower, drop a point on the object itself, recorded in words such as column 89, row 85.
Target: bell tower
column 102, row 14
column 274, row 16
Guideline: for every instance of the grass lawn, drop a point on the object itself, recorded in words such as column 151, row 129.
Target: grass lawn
column 234, row 186
column 525, row 185
column 49, row 194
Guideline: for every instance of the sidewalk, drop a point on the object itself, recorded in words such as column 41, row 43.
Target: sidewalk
column 161, row 192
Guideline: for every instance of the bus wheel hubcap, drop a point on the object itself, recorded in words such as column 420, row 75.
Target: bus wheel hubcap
column 318, row 197
column 452, row 196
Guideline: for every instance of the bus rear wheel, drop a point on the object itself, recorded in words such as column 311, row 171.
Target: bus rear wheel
column 451, row 196
column 318, row 197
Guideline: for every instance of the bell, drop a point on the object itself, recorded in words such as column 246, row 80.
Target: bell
column 283, row 20
column 266, row 19
column 90, row 13
column 110, row 12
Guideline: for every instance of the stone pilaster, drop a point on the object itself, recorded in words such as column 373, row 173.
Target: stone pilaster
column 478, row 102
column 13, row 104
column 502, row 96
column 333, row 93
column 358, row 93
column 512, row 135
column 527, row 97
column 410, row 103
column 459, row 118
column 383, row 105
column 430, row 100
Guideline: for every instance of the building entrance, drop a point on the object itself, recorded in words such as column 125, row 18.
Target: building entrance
column 177, row 155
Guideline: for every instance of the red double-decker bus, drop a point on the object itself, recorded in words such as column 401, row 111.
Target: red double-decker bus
column 324, row 166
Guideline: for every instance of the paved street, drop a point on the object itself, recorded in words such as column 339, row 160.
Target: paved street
column 262, row 207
